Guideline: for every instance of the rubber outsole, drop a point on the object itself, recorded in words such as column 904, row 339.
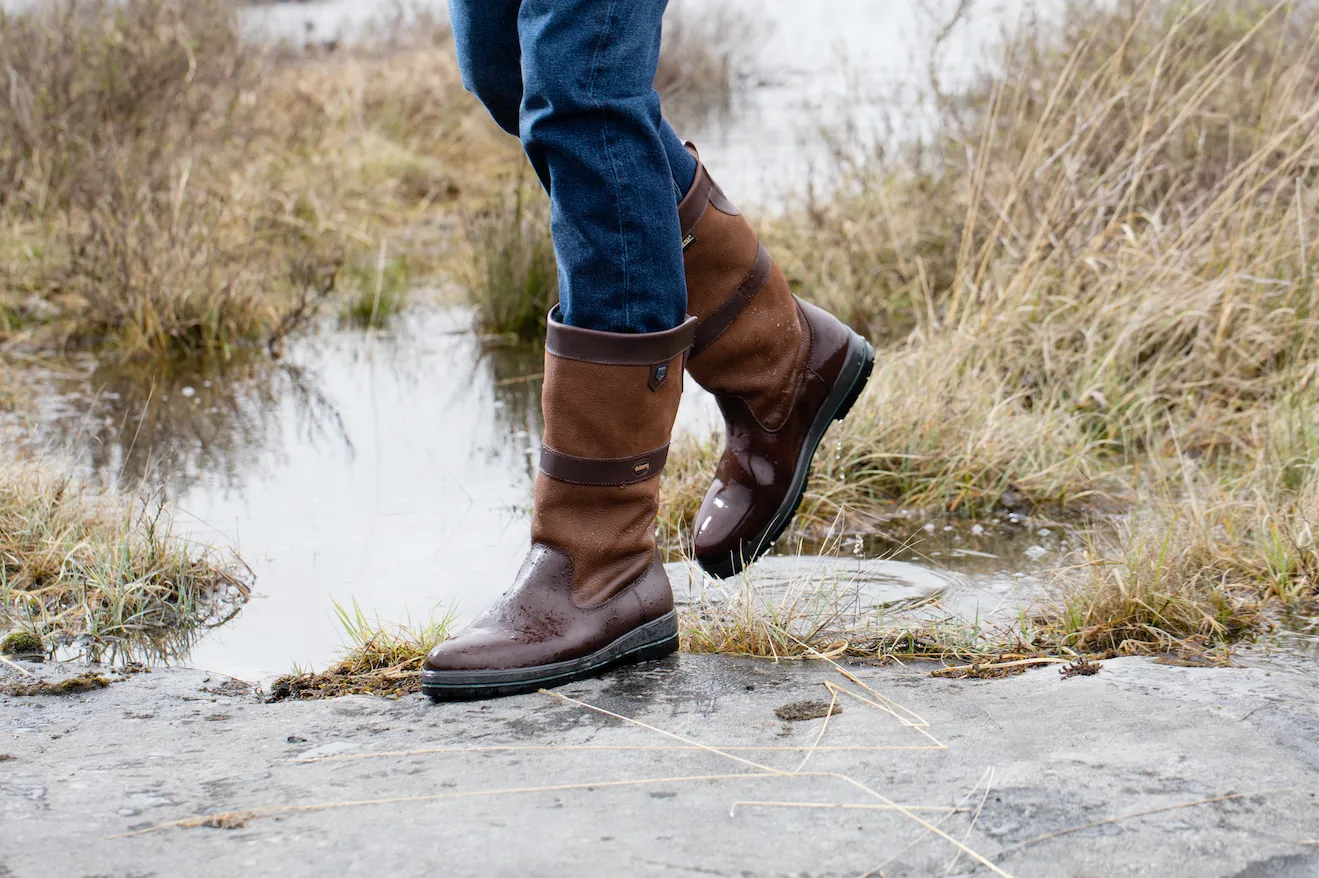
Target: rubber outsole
column 847, row 390
column 649, row 642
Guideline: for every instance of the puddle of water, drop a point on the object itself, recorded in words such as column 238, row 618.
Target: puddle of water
column 870, row 582
column 860, row 590
column 1004, row 543
column 1300, row 633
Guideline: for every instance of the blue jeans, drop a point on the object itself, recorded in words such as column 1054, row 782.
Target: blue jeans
column 574, row 80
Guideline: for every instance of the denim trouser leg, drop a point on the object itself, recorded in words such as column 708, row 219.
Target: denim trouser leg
column 589, row 120
column 485, row 34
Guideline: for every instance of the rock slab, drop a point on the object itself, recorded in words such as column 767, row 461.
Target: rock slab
column 706, row 782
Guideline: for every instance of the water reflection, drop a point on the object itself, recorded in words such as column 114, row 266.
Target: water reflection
column 225, row 423
column 1300, row 630
column 517, row 375
column 133, row 425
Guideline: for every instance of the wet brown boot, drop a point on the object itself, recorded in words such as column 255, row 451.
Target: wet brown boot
column 782, row 371
column 592, row 593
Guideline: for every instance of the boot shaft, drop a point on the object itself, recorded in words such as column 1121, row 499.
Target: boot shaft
column 752, row 342
column 609, row 401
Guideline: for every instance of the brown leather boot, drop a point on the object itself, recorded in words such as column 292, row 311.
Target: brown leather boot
column 592, row 593
column 782, row 371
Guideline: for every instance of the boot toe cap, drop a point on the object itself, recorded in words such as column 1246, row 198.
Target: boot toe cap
column 474, row 651
column 727, row 517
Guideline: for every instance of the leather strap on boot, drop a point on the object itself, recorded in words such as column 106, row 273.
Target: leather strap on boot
column 703, row 194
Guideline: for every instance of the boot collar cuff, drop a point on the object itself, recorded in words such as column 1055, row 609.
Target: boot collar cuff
column 617, row 348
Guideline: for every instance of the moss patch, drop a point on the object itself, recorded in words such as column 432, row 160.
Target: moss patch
column 800, row 711
column 22, row 643
column 338, row 682
column 87, row 682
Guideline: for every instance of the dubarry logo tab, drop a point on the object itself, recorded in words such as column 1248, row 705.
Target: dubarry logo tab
column 657, row 377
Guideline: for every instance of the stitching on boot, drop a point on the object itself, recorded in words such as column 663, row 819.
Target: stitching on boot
column 806, row 372
column 629, row 589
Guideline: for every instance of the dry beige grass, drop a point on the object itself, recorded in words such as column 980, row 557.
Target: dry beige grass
column 1107, row 246
column 170, row 189
column 1203, row 560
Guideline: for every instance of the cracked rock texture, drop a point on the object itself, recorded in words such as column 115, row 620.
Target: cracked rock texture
column 1022, row 758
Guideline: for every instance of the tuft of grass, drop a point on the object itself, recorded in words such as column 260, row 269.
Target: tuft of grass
column 1151, row 588
column 513, row 278
column 1200, row 564
column 374, row 295
column 380, row 659
column 89, row 573
column 112, row 197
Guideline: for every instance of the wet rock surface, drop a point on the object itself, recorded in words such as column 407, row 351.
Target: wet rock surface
column 551, row 785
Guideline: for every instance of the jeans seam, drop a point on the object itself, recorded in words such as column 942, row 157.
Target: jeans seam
column 613, row 163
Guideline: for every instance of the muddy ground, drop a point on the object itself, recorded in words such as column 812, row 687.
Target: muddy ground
column 87, row 781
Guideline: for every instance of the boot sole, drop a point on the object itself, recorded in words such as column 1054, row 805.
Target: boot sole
column 847, row 389
column 649, row 642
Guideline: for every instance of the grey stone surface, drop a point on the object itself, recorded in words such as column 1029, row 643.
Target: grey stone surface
column 1053, row 754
